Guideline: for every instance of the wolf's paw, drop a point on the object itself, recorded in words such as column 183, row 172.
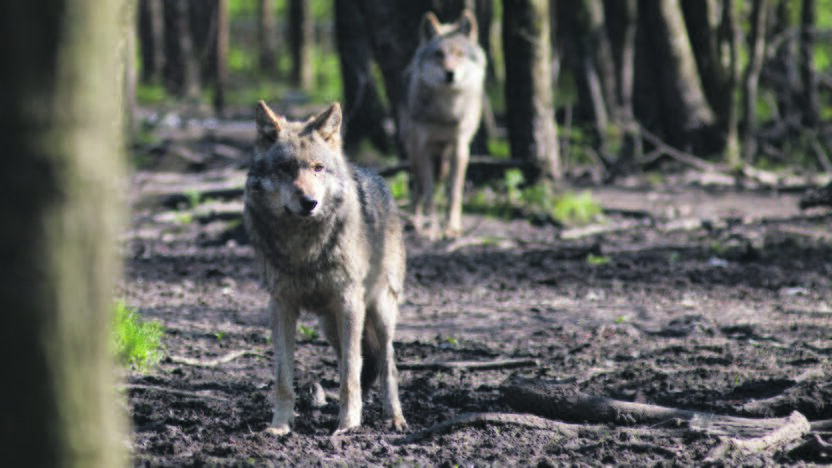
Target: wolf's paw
column 398, row 424
column 278, row 431
column 345, row 430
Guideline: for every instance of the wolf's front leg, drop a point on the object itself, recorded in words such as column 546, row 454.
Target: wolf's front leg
column 284, row 321
column 351, row 325
column 456, row 186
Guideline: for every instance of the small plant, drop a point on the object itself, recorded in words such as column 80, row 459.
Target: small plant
column 576, row 210
column 399, row 186
column 593, row 259
column 219, row 336
column 137, row 343
column 308, row 333
column 184, row 218
column 194, row 197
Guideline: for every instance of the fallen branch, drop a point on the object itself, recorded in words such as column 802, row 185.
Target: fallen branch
column 565, row 402
column 213, row 362
column 478, row 419
column 781, row 433
column 469, row 365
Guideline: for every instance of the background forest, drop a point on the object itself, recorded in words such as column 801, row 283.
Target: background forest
column 629, row 83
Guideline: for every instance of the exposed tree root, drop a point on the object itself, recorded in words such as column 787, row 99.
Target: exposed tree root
column 212, row 362
column 469, row 365
column 174, row 391
column 479, row 419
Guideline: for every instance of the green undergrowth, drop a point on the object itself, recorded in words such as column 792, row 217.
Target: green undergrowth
column 137, row 343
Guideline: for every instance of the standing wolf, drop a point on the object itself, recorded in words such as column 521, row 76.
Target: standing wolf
column 442, row 113
column 328, row 240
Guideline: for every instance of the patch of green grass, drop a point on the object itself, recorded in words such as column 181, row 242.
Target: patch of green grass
column 593, row 259
column 308, row 333
column 194, row 197
column 219, row 336
column 150, row 94
column 184, row 217
column 400, row 186
column 137, row 343
column 576, row 210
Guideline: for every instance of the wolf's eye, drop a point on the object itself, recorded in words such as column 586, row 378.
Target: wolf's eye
column 318, row 167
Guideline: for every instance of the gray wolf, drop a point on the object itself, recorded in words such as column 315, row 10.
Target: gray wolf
column 442, row 113
column 328, row 240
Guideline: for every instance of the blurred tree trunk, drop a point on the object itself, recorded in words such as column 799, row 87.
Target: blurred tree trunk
column 220, row 48
column 730, row 32
column 364, row 111
column 702, row 23
column 670, row 99
column 301, row 42
column 756, row 55
column 621, row 22
column 62, row 176
column 151, row 39
column 809, row 96
column 181, row 72
column 266, row 37
column 529, row 103
column 484, row 11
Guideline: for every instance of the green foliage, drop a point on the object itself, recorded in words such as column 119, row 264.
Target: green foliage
column 308, row 333
column 499, row 148
column 595, row 260
column 577, row 210
column 194, row 197
column 400, row 186
column 148, row 94
column 137, row 343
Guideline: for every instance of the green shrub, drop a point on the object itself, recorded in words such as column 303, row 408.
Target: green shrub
column 138, row 344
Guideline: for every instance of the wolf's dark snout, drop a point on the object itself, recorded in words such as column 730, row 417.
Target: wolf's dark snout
column 449, row 76
column 308, row 204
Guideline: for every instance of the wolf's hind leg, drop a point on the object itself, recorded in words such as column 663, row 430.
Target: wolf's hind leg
column 284, row 320
column 381, row 317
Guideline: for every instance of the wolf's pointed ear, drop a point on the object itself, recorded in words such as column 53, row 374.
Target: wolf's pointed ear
column 429, row 27
column 328, row 124
column 467, row 25
column 268, row 125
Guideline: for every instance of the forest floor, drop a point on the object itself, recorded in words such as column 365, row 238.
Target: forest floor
column 517, row 344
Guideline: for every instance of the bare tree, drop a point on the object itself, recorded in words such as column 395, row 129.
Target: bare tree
column 181, row 72
column 151, row 37
column 60, row 180
column 266, row 36
column 529, row 103
column 757, row 41
column 301, row 40
column 809, row 96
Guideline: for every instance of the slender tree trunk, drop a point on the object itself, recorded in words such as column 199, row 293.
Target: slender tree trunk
column 809, row 97
column 484, row 11
column 364, row 111
column 181, row 61
column 751, row 77
column 151, row 39
column 266, row 36
column 702, row 24
column 301, row 41
column 730, row 30
column 60, row 179
column 529, row 104
column 221, row 56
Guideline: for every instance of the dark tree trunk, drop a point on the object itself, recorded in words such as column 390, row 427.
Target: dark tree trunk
column 484, row 11
column 702, row 26
column 529, row 103
column 670, row 99
column 181, row 72
column 151, row 39
column 363, row 109
column 809, row 97
column 220, row 48
column 730, row 32
column 756, row 55
column 301, row 41
column 266, row 36
column 61, row 181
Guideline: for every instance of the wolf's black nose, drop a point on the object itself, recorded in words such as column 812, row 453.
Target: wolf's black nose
column 308, row 204
column 449, row 76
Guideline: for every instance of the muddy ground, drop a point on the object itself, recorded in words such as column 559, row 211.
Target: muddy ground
column 716, row 301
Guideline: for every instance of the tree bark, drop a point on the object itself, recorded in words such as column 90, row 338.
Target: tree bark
column 266, row 36
column 679, row 111
column 529, row 103
column 220, row 46
column 60, row 179
column 181, row 72
column 809, row 97
column 363, row 109
column 151, row 39
column 301, row 41
column 730, row 29
column 751, row 77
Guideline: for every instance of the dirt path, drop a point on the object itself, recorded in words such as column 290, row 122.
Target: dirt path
column 713, row 302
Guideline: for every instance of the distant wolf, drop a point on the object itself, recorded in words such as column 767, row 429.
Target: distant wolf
column 442, row 113
column 328, row 240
